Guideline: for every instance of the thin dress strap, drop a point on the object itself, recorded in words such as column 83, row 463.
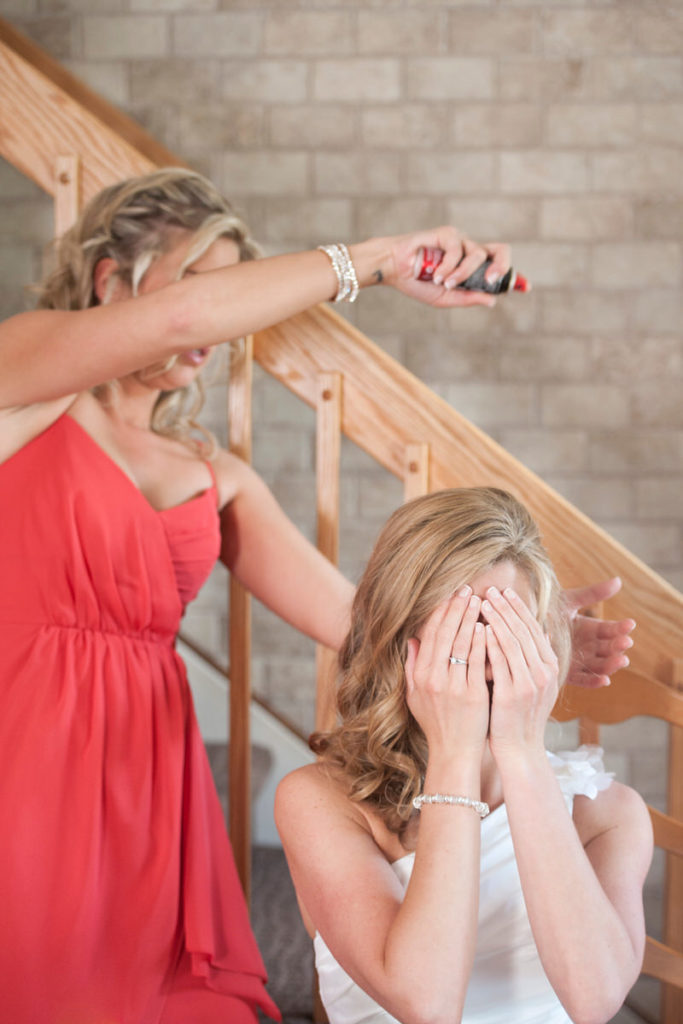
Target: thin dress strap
column 214, row 482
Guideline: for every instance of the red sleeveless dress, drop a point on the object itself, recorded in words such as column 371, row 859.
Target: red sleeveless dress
column 119, row 899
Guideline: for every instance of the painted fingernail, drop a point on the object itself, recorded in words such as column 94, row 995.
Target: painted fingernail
column 437, row 279
column 466, row 591
column 486, row 605
column 493, row 592
column 478, row 627
column 509, row 593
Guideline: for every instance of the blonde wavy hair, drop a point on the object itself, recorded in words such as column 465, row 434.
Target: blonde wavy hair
column 428, row 549
column 134, row 222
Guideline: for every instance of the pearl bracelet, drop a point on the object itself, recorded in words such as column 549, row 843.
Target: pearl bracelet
column 479, row 806
column 342, row 264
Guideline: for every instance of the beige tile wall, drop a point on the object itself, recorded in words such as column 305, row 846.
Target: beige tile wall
column 555, row 125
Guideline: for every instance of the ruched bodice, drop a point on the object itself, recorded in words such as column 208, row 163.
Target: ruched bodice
column 116, row 863
column 507, row 982
column 108, row 560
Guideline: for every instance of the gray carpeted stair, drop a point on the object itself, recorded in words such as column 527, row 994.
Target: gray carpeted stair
column 285, row 946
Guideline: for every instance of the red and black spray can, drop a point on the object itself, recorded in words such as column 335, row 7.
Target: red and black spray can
column 428, row 258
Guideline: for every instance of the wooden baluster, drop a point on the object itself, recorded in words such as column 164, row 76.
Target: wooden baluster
column 672, row 996
column 67, row 192
column 416, row 471
column 328, row 455
column 589, row 731
column 327, row 459
column 239, row 639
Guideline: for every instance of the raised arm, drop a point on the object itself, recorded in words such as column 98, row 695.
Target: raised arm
column 582, row 879
column 412, row 954
column 47, row 354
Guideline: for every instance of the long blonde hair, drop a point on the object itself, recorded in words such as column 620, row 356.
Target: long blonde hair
column 428, row 549
column 133, row 222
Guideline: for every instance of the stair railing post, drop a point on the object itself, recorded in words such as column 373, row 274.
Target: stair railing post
column 589, row 731
column 672, row 996
column 328, row 458
column 239, row 637
column 327, row 461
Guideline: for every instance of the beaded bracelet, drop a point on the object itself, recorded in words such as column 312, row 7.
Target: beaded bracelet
column 479, row 806
column 342, row 264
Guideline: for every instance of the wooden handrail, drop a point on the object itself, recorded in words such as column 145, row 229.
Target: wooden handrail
column 47, row 113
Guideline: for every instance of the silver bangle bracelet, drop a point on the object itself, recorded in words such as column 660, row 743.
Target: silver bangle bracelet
column 479, row 806
column 342, row 264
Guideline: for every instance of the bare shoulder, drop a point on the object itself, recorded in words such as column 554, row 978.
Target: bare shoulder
column 233, row 476
column 313, row 809
column 311, row 788
column 618, row 811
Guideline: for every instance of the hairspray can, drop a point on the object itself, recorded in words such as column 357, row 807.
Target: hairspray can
column 427, row 259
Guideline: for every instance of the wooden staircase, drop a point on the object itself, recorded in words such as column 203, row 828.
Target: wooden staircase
column 72, row 143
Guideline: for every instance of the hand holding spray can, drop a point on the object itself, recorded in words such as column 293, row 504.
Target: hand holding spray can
column 428, row 258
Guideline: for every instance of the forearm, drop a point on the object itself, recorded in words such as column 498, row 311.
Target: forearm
column 249, row 297
column 46, row 354
column 585, row 948
column 430, row 948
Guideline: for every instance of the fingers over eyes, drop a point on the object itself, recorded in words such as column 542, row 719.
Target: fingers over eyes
column 511, row 617
column 438, row 633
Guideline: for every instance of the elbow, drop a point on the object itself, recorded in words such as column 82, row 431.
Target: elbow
column 594, row 1014
column 596, row 994
column 596, row 1006
column 423, row 1009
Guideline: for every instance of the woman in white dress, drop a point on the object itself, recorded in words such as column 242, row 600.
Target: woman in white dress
column 449, row 868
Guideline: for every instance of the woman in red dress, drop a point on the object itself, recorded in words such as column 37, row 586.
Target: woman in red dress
column 120, row 902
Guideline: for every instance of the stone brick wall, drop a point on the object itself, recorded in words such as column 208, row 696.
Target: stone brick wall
column 553, row 125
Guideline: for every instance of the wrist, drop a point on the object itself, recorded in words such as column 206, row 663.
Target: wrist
column 374, row 262
column 461, row 775
column 520, row 762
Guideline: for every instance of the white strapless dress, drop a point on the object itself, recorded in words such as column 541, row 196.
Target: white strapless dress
column 507, row 982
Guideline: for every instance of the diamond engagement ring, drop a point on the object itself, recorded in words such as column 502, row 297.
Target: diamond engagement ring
column 457, row 661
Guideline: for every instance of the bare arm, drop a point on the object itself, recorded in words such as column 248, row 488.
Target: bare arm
column 47, row 354
column 582, row 879
column 413, row 954
column 276, row 563
column 582, row 886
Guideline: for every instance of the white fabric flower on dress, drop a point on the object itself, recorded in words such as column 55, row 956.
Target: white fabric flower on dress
column 581, row 772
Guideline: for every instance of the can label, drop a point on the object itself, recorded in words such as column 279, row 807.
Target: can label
column 427, row 260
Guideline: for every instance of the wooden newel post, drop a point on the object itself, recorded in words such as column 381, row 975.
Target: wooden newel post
column 672, row 996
